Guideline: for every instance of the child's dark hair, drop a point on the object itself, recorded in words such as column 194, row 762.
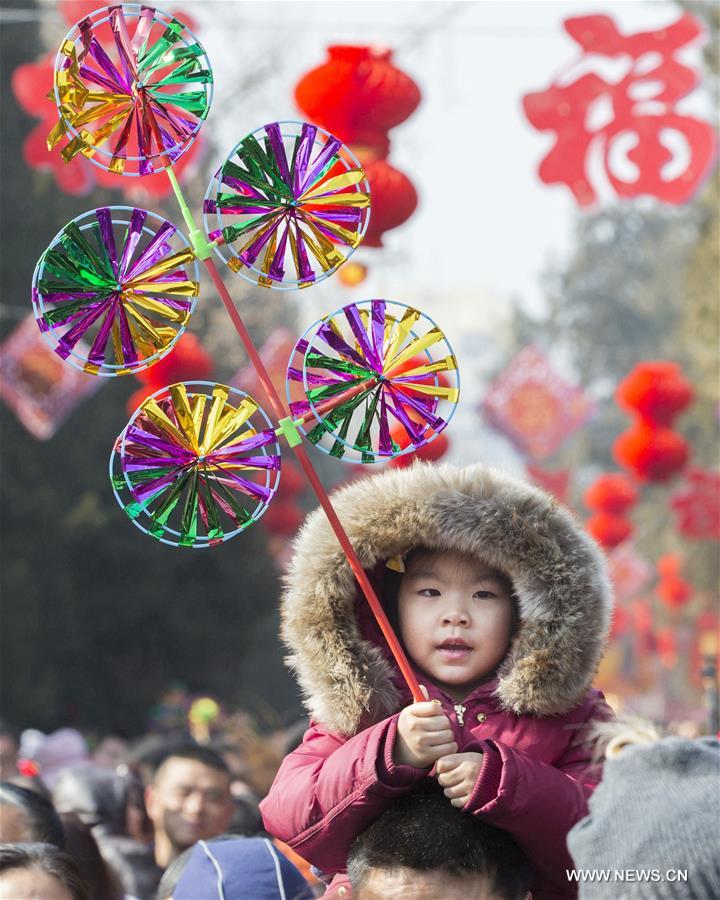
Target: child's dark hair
column 391, row 581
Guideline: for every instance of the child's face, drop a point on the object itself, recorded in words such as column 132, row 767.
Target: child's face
column 455, row 617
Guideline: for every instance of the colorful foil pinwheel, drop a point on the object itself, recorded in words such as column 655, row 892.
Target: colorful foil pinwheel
column 115, row 277
column 135, row 79
column 289, row 196
column 351, row 371
column 196, row 464
column 199, row 462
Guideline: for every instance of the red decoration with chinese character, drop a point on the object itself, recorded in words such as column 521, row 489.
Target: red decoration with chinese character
column 630, row 116
column 534, row 406
column 697, row 505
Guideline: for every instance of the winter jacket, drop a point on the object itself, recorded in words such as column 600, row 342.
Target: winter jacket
column 530, row 722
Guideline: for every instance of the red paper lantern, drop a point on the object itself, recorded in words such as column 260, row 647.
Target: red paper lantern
column 137, row 397
column 393, row 200
column 656, row 391
column 358, row 95
column 609, row 530
column 283, row 517
column 187, row 361
column 650, row 453
column 611, row 493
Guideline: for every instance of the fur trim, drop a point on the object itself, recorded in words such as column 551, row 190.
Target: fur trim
column 557, row 571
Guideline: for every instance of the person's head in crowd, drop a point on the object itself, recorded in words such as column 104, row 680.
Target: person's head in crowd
column 188, row 800
column 112, row 800
column 26, row 816
column 60, row 750
column 39, row 872
column 101, row 881
column 233, row 868
column 656, row 808
column 145, row 755
column 422, row 848
column 9, row 749
column 110, row 751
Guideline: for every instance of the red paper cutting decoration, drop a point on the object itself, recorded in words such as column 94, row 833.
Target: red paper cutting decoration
column 358, row 95
column 641, row 128
column 534, row 406
column 697, row 505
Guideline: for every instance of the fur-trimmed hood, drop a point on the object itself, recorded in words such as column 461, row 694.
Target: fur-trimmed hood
column 558, row 574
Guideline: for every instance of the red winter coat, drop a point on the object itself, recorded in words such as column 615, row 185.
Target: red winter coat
column 534, row 783
column 530, row 723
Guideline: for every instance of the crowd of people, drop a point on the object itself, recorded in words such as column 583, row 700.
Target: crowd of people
column 509, row 779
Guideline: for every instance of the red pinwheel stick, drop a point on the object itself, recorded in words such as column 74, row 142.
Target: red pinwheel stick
column 307, row 467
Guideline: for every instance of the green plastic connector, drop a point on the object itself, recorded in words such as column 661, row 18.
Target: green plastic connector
column 289, row 430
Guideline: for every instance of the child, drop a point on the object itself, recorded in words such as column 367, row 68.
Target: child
column 502, row 604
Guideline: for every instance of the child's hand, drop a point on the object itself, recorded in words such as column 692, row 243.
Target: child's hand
column 457, row 774
column 423, row 735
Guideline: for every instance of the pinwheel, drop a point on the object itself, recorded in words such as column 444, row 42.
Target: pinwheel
column 290, row 203
column 116, row 277
column 132, row 87
column 196, row 464
column 366, row 368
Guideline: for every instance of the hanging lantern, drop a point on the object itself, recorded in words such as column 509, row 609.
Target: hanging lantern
column 394, row 200
column 651, row 453
column 357, row 94
column 611, row 493
column 609, row 530
column 656, row 391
